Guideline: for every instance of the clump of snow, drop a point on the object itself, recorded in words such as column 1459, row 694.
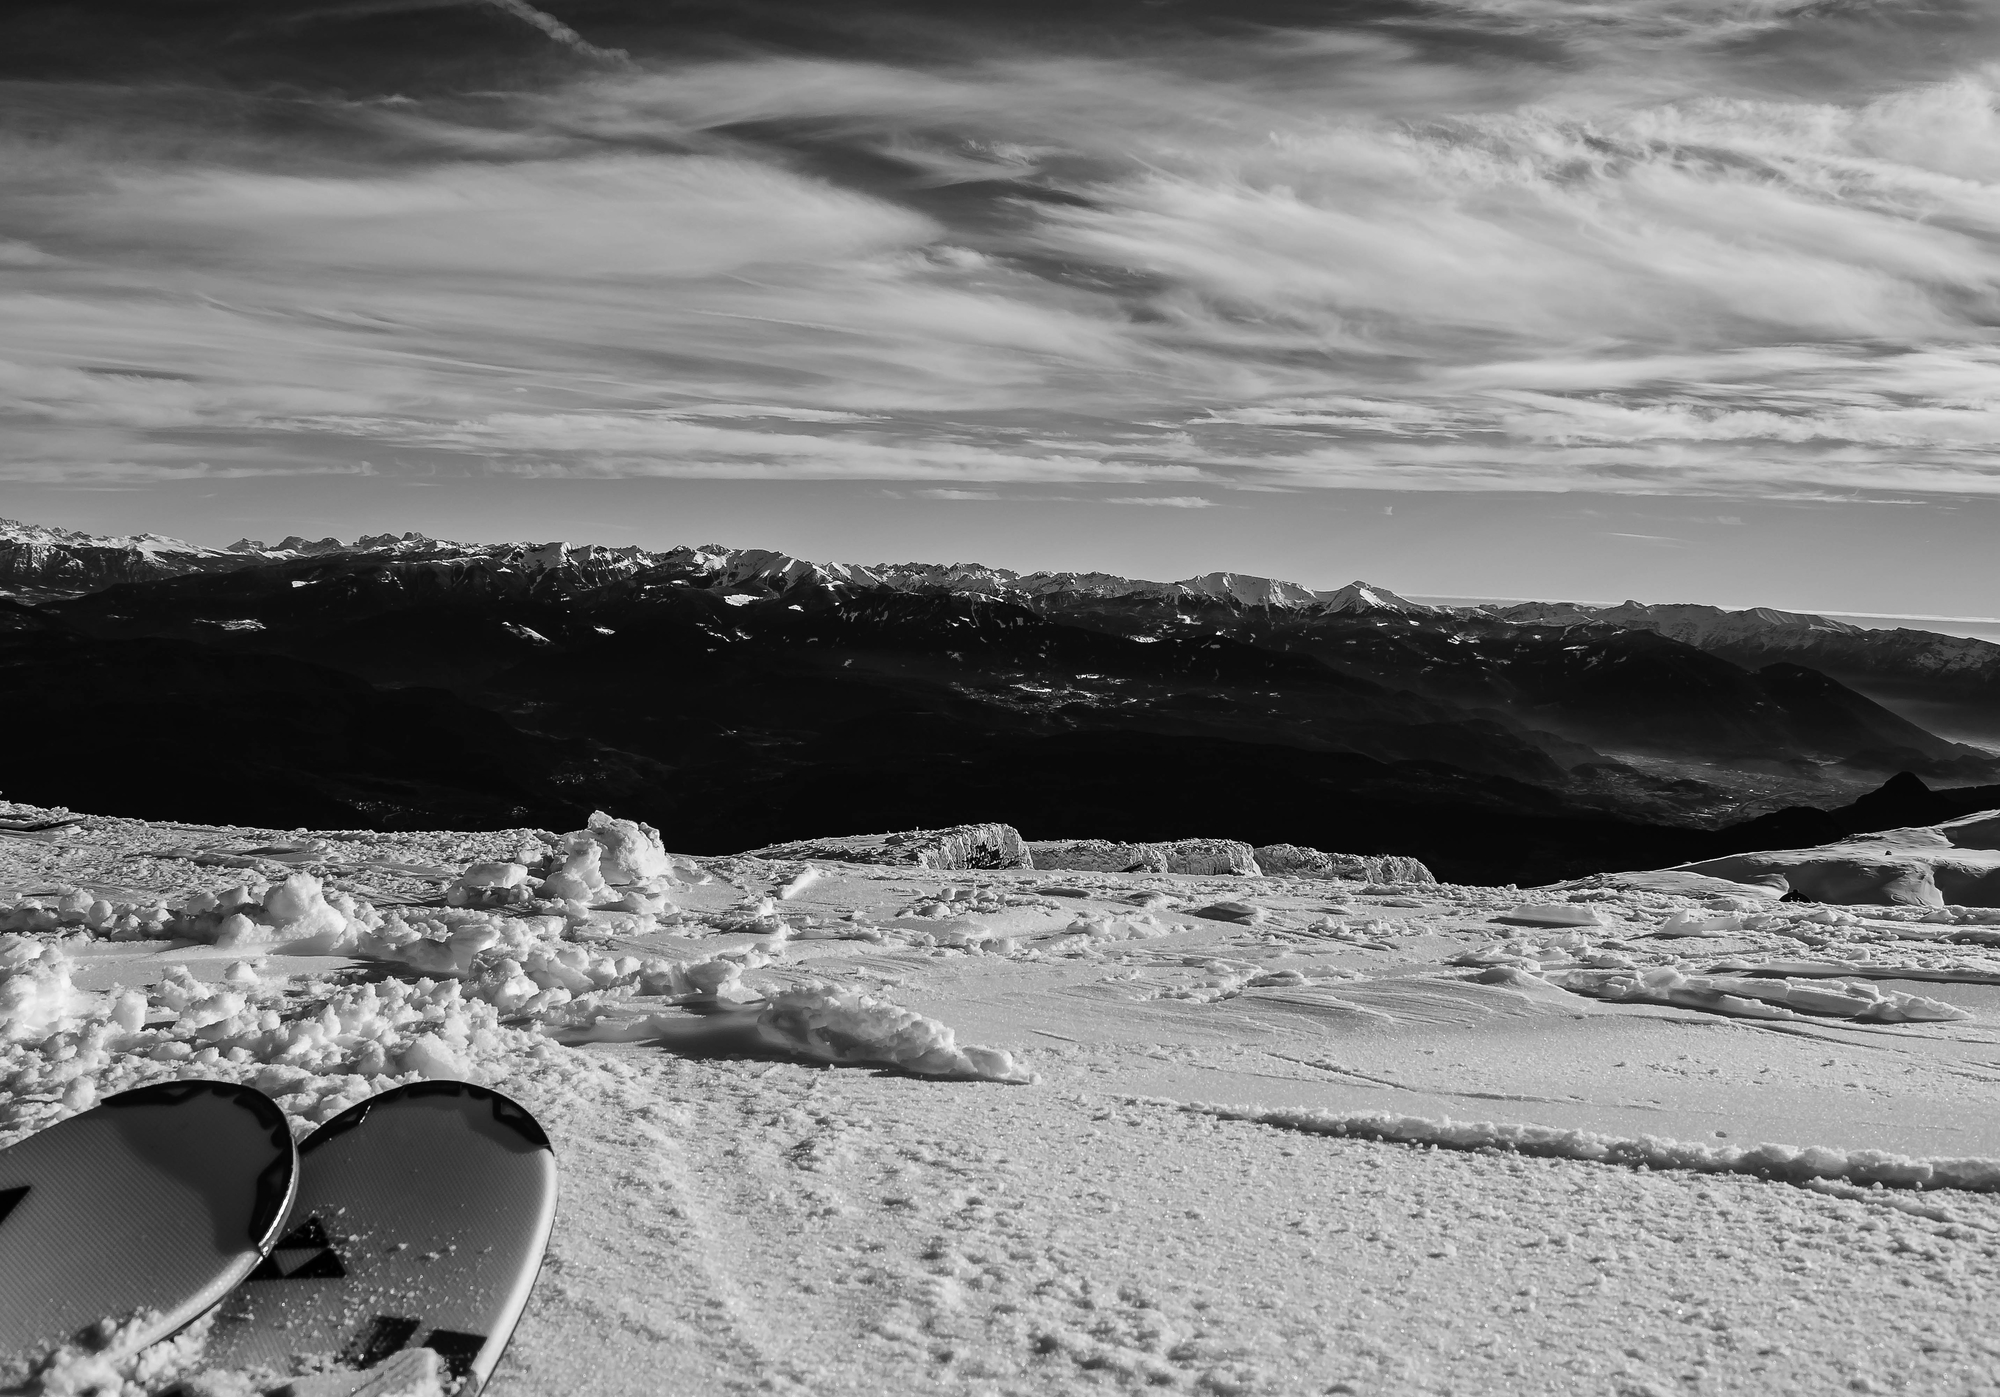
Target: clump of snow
column 797, row 883
column 316, row 1057
column 1102, row 926
column 108, row 1358
column 628, row 852
column 36, row 993
column 297, row 912
column 79, row 909
column 489, row 885
column 1788, row 1162
column 823, row 1023
column 580, row 878
column 527, row 968
column 1247, row 913
column 1686, row 922
column 1553, row 914
column 844, row 1025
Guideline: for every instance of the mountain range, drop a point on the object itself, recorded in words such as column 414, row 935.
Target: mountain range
column 738, row 698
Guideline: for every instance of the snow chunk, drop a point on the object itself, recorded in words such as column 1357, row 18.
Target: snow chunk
column 797, row 883
column 628, row 852
column 1688, row 923
column 36, row 995
column 824, row 1023
column 297, row 912
column 1246, row 913
column 579, row 879
column 489, row 885
column 846, row 1025
column 1554, row 914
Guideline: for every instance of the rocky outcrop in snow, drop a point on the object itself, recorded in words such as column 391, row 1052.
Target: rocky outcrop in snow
column 1299, row 861
column 1202, row 856
column 960, row 847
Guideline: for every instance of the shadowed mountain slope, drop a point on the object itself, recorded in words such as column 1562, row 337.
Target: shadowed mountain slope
column 737, row 699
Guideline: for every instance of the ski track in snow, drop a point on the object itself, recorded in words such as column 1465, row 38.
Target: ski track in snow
column 944, row 1240
column 874, row 1129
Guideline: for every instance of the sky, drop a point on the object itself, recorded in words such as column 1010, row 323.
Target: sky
column 1679, row 300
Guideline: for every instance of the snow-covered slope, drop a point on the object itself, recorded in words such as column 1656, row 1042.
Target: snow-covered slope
column 1955, row 863
column 841, row 1128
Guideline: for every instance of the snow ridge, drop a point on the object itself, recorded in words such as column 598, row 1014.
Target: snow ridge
column 1785, row 1162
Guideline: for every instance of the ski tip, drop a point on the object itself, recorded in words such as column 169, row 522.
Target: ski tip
column 508, row 1113
column 277, row 1181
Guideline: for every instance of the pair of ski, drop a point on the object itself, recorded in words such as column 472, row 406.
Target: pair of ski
column 397, row 1243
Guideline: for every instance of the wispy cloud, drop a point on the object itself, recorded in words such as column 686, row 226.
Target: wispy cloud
column 1281, row 258
column 560, row 32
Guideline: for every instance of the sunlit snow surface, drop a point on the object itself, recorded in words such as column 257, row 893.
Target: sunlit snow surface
column 1012, row 1132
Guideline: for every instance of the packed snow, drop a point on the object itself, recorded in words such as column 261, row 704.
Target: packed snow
column 857, row 1123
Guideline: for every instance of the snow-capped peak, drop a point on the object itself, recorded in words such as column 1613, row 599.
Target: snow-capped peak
column 1364, row 596
column 1248, row 591
column 13, row 531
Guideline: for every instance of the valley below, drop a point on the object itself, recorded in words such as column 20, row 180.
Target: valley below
column 734, row 698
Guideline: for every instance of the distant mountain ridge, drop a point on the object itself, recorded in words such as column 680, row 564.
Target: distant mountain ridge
column 1919, row 673
column 38, row 562
column 738, row 694
column 1949, row 680
column 50, row 562
column 41, row 563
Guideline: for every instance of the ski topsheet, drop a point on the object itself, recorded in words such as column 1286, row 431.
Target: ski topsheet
column 420, row 1222
column 144, row 1211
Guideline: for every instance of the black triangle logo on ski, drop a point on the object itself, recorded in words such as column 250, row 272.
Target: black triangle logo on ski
column 323, row 1265
column 9, row 1198
column 307, row 1234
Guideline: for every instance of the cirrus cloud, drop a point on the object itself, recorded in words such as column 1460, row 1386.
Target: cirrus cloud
column 1285, row 258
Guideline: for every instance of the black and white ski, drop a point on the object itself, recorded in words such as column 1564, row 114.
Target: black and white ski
column 420, row 1222
column 143, row 1212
